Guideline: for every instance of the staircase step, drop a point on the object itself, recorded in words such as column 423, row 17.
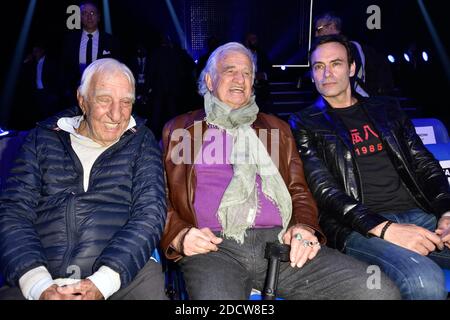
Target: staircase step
column 283, row 86
column 292, row 92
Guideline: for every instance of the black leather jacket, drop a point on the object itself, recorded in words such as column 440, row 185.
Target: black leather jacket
column 332, row 173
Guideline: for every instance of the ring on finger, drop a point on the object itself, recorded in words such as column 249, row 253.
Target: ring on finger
column 298, row 236
column 307, row 243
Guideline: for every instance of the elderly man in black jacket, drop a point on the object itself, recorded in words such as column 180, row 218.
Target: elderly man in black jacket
column 383, row 198
column 84, row 207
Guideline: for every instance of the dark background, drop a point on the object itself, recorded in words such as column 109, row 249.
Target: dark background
column 282, row 27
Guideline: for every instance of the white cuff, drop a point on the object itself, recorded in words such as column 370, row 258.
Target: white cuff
column 106, row 280
column 34, row 282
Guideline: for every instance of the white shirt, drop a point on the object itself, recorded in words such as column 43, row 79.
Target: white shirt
column 39, row 66
column 83, row 45
column 107, row 281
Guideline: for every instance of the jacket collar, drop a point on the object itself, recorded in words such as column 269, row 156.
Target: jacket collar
column 323, row 109
column 196, row 122
column 377, row 113
column 374, row 108
column 200, row 115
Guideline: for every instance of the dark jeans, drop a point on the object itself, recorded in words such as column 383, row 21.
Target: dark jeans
column 417, row 276
column 232, row 272
column 147, row 285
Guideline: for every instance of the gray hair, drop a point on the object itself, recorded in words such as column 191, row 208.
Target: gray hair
column 108, row 66
column 219, row 53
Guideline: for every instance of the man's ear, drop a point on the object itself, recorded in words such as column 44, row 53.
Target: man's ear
column 80, row 100
column 352, row 69
column 209, row 82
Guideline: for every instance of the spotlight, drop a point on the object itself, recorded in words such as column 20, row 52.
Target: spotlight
column 425, row 56
column 3, row 132
column 283, row 68
column 391, row 58
column 406, row 56
column 196, row 61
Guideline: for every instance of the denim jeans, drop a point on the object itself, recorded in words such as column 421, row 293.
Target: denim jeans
column 231, row 272
column 417, row 276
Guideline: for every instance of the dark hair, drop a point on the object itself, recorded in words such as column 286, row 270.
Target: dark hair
column 333, row 38
column 329, row 17
column 91, row 2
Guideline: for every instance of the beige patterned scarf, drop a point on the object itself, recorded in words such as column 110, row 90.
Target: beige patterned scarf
column 239, row 205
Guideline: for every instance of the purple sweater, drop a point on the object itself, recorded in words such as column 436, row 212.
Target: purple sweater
column 213, row 174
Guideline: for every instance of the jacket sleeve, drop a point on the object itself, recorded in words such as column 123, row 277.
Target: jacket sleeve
column 426, row 168
column 20, row 247
column 329, row 195
column 175, row 223
column 132, row 246
column 304, row 207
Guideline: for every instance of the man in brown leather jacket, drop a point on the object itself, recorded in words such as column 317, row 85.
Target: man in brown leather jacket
column 235, row 181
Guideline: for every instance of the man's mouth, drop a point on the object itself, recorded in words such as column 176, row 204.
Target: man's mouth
column 111, row 126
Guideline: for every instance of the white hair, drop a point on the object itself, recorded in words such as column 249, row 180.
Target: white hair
column 219, row 53
column 106, row 66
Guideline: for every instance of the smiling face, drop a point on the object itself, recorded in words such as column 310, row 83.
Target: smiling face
column 234, row 80
column 107, row 108
column 331, row 72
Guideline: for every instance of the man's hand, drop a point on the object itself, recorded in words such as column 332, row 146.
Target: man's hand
column 196, row 241
column 304, row 244
column 443, row 230
column 85, row 289
column 410, row 236
column 51, row 293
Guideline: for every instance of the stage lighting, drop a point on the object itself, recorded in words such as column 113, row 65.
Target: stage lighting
column 283, row 68
column 425, row 56
column 3, row 132
column 406, row 56
column 391, row 58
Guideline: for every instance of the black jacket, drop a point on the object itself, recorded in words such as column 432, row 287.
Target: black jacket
column 47, row 219
column 108, row 47
column 332, row 173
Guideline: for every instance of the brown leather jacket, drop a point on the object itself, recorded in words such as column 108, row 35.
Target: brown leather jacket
column 181, row 178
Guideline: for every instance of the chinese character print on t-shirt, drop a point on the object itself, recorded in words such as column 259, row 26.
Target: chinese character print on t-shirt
column 365, row 140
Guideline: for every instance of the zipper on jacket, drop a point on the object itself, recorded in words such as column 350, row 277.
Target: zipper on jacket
column 361, row 191
column 71, row 233
column 77, row 163
column 106, row 153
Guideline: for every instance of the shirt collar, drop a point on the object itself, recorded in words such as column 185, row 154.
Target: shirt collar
column 94, row 34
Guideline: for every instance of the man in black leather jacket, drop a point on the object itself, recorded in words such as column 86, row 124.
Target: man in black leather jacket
column 382, row 196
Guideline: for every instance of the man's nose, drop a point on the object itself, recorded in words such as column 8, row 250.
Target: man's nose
column 114, row 111
column 239, row 77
